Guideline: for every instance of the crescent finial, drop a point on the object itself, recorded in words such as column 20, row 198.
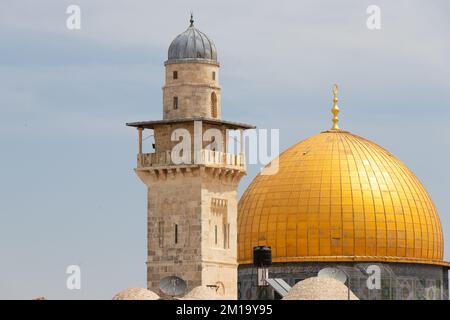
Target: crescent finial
column 335, row 109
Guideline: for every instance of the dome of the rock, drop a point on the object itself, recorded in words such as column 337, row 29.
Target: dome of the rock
column 339, row 197
column 338, row 200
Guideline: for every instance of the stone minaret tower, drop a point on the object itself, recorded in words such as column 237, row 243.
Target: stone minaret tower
column 191, row 176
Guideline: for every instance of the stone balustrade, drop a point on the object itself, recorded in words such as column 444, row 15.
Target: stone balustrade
column 206, row 157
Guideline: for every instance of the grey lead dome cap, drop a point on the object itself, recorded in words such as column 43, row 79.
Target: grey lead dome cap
column 192, row 44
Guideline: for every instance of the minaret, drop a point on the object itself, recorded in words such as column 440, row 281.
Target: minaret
column 191, row 177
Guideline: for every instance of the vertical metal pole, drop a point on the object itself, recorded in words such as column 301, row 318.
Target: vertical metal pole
column 140, row 145
column 348, row 289
column 242, row 145
column 140, row 140
column 242, row 141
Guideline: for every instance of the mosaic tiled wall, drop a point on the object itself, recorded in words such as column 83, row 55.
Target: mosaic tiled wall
column 399, row 281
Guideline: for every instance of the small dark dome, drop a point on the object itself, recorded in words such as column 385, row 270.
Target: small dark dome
column 192, row 44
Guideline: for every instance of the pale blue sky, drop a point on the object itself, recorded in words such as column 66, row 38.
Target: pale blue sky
column 68, row 192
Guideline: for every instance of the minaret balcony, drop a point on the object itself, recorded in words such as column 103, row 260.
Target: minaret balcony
column 205, row 157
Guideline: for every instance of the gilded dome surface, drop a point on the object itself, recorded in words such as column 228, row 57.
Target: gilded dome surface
column 192, row 44
column 339, row 197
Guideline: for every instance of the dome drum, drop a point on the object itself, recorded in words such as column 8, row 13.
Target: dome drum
column 399, row 281
column 192, row 60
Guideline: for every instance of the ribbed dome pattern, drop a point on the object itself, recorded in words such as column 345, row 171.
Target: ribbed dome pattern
column 192, row 44
column 339, row 197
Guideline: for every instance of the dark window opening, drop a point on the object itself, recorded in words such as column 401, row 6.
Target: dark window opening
column 214, row 75
column 175, row 75
column 213, row 144
column 176, row 234
column 175, row 103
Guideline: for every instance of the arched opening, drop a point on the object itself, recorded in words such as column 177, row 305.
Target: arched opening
column 213, row 105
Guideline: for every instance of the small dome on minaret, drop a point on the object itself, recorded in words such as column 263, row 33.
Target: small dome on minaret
column 192, row 44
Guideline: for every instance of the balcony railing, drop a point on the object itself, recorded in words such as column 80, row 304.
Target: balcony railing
column 206, row 157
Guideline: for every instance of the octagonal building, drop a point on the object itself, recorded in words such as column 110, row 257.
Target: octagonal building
column 339, row 200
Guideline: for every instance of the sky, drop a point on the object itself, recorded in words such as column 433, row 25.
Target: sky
column 68, row 193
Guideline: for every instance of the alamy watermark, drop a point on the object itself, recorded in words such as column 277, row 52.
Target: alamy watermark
column 73, row 22
column 374, row 280
column 374, row 19
column 73, row 281
column 220, row 146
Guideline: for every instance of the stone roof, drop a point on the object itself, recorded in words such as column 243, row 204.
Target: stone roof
column 320, row 288
column 136, row 294
column 202, row 293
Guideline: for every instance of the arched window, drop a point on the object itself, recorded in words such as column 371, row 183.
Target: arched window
column 213, row 105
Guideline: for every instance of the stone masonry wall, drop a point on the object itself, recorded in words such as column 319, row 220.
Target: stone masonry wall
column 193, row 87
column 174, row 201
column 202, row 203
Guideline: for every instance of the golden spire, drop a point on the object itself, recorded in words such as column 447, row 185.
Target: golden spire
column 335, row 109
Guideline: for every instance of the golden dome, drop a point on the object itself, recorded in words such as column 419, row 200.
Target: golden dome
column 339, row 197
